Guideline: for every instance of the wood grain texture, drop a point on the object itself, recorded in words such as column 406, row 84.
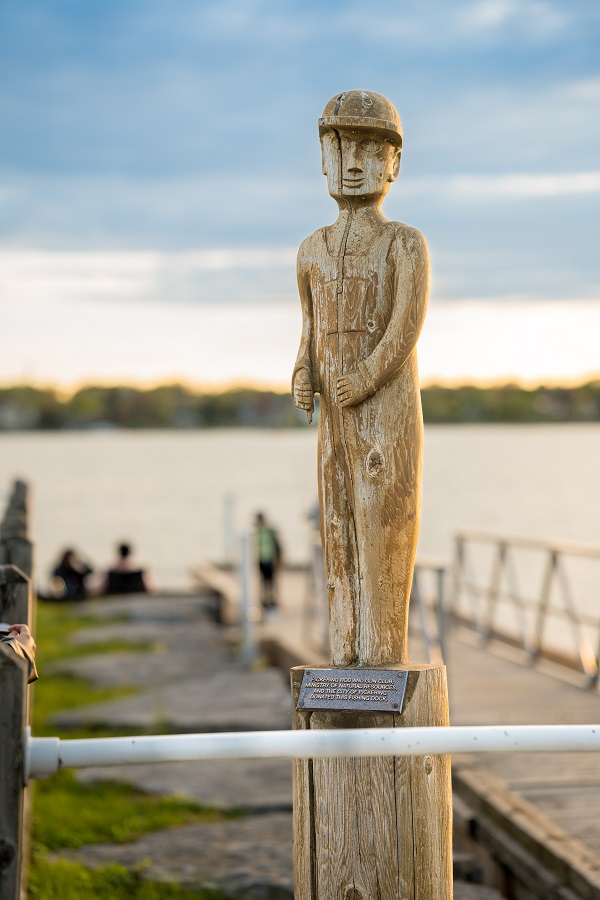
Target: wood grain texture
column 381, row 827
column 15, row 547
column 13, row 690
column 16, row 599
column 364, row 285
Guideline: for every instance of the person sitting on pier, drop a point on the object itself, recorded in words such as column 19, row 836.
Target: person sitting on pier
column 125, row 577
column 19, row 640
column 69, row 577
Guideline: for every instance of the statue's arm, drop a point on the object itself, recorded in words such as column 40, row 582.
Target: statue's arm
column 303, row 380
column 408, row 313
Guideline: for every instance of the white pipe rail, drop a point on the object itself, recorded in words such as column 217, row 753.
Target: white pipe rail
column 45, row 756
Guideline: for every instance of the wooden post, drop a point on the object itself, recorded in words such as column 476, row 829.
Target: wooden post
column 16, row 550
column 14, row 605
column 376, row 828
column 15, row 547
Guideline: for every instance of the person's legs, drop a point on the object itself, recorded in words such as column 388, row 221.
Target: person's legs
column 268, row 592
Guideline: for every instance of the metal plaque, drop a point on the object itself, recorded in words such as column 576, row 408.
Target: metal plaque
column 374, row 690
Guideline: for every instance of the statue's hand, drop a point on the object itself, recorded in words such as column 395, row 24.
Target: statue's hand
column 304, row 393
column 352, row 389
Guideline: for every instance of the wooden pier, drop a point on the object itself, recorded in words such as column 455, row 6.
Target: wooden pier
column 532, row 819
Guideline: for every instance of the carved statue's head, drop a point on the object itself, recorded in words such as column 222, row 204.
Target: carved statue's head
column 361, row 140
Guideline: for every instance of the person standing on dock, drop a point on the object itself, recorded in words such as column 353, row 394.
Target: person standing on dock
column 269, row 558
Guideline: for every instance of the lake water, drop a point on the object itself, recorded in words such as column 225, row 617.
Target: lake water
column 165, row 490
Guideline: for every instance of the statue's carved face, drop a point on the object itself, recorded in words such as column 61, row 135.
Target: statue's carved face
column 359, row 164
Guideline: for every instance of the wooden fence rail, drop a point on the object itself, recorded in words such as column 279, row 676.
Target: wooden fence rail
column 16, row 605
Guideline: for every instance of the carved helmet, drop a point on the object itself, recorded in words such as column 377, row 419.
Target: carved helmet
column 362, row 109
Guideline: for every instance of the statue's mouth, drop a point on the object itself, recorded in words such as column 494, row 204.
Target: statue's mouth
column 353, row 182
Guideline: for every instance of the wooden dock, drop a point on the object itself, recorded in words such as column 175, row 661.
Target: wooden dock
column 535, row 817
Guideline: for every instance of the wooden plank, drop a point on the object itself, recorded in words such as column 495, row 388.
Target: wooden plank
column 13, row 690
column 16, row 606
column 380, row 827
column 15, row 596
column 551, row 848
column 226, row 584
column 303, row 795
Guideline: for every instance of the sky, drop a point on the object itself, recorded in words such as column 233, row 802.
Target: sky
column 160, row 165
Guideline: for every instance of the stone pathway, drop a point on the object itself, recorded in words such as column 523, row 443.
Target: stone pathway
column 191, row 680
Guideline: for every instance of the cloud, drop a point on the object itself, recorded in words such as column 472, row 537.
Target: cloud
column 487, row 338
column 510, row 186
column 532, row 18
column 231, row 275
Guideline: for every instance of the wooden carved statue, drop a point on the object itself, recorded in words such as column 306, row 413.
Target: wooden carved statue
column 364, row 284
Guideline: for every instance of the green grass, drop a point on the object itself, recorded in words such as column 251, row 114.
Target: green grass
column 53, row 693
column 57, row 691
column 55, row 622
column 67, row 813
column 70, row 881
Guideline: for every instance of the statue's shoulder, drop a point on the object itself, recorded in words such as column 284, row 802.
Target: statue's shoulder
column 311, row 247
column 411, row 241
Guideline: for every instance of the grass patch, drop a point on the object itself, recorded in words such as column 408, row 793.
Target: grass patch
column 70, row 881
column 53, row 693
column 55, row 622
column 60, row 690
column 67, row 813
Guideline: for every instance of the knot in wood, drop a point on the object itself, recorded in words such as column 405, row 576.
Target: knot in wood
column 374, row 462
column 353, row 893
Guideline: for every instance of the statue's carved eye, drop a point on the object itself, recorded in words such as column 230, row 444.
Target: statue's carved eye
column 369, row 145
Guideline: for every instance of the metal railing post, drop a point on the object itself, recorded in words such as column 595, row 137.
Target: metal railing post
column 250, row 612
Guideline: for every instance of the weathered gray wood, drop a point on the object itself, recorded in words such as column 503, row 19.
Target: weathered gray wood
column 15, row 596
column 364, row 285
column 15, row 547
column 368, row 829
column 16, row 606
column 13, row 694
column 376, row 828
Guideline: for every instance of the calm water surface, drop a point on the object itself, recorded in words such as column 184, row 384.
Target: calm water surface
column 165, row 490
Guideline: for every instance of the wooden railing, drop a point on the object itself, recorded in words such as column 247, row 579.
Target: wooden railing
column 523, row 591
column 16, row 605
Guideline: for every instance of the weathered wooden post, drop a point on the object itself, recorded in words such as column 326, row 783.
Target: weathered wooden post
column 367, row 829
column 15, row 603
column 15, row 546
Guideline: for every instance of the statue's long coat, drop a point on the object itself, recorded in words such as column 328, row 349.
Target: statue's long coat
column 367, row 308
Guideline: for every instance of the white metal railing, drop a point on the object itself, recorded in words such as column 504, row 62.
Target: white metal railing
column 45, row 756
column 489, row 571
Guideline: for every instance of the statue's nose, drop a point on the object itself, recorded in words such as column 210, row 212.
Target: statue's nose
column 353, row 160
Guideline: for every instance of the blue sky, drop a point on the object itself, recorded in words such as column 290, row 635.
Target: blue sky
column 150, row 149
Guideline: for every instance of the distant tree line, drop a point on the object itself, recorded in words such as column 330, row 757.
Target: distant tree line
column 174, row 406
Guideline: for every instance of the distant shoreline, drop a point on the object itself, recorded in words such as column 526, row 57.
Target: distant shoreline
column 26, row 408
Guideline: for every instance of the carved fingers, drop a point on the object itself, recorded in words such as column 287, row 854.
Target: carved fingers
column 351, row 389
column 303, row 393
